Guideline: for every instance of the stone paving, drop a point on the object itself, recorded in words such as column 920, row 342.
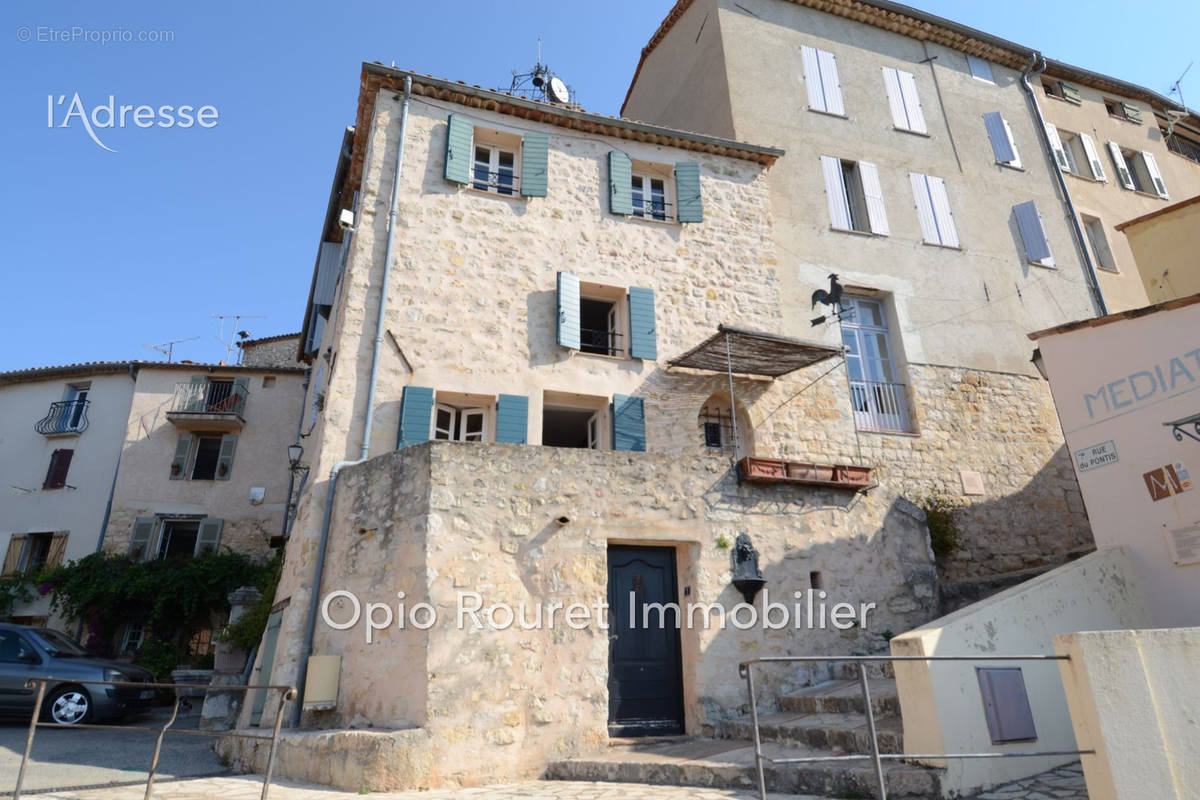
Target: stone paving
column 1064, row 783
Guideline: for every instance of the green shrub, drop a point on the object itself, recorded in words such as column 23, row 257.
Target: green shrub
column 941, row 516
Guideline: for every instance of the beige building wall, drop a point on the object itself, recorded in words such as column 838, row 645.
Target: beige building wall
column 144, row 487
column 77, row 509
column 1108, row 201
column 1164, row 244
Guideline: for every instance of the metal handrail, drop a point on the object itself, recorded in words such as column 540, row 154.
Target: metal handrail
column 610, row 345
column 286, row 693
column 746, row 671
column 881, row 405
column 210, row 397
column 65, row 416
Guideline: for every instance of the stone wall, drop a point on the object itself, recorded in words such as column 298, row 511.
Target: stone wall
column 273, row 351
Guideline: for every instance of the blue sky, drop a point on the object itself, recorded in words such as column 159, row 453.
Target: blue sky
column 108, row 252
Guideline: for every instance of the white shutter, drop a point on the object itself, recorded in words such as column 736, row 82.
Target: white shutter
column 1033, row 235
column 980, row 69
column 1155, row 176
column 1056, row 145
column 873, row 193
column 1093, row 157
column 1118, row 158
column 1012, row 142
column 999, row 136
column 835, row 193
column 941, row 211
column 891, row 80
column 812, row 78
column 920, row 187
column 830, row 84
column 912, row 102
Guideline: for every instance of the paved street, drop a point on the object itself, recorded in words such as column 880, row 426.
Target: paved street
column 65, row 758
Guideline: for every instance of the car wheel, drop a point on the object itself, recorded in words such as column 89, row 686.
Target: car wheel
column 69, row 705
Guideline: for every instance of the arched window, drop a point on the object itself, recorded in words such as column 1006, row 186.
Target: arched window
column 716, row 427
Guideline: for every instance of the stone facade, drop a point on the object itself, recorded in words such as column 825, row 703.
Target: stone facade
column 272, row 351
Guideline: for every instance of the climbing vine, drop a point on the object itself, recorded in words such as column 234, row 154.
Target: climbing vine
column 941, row 517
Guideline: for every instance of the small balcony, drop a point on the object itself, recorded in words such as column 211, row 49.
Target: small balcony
column 65, row 418
column 880, row 407
column 214, row 405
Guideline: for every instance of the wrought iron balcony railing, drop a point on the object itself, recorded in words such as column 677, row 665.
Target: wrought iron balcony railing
column 211, row 397
column 880, row 406
column 65, row 416
column 602, row 342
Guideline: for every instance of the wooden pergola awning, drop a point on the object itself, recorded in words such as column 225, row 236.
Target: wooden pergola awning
column 732, row 349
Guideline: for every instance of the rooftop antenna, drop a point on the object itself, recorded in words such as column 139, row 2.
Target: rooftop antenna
column 540, row 83
column 1177, row 89
column 231, row 344
column 1174, row 115
column 168, row 348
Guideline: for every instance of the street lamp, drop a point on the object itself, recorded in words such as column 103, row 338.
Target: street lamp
column 295, row 451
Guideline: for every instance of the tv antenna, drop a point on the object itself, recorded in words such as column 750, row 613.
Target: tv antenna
column 168, row 348
column 1177, row 89
column 236, row 336
column 540, row 83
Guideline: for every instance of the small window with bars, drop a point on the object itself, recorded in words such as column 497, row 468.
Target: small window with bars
column 716, row 427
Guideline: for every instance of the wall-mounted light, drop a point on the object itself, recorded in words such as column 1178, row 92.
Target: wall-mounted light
column 295, row 451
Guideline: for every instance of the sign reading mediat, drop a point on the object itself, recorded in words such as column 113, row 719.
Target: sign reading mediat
column 1156, row 382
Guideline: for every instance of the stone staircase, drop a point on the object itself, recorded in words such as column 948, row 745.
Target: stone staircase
column 821, row 720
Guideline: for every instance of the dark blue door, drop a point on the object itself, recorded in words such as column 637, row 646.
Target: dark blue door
column 645, row 687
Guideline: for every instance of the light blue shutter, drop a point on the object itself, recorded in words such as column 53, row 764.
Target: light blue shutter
column 225, row 457
column 416, row 410
column 1029, row 223
column 1071, row 93
column 629, row 423
column 687, row 192
column 998, row 133
column 209, row 537
column 512, row 419
column 139, row 540
column 643, row 337
column 568, row 310
column 183, row 448
column 459, row 131
column 197, row 393
column 534, row 156
column 1132, row 112
column 620, row 183
column 241, row 390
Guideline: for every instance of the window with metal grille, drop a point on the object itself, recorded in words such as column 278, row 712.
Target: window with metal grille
column 716, row 425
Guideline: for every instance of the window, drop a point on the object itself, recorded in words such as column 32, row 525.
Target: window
column 30, row 552
column 855, row 197
column 1180, row 145
column 1062, row 91
column 1099, row 243
column 56, row 473
column 717, row 427
column 933, row 209
column 821, row 79
column 649, row 197
column 575, row 420
column 494, row 170
column 1033, row 234
column 460, row 417
column 15, row 649
column 605, row 320
column 178, row 539
column 495, row 161
column 980, row 69
column 1004, row 146
column 77, row 400
column 904, row 101
column 1076, row 153
column 1138, row 170
column 132, row 639
column 166, row 539
column 203, row 457
column 461, row 423
column 878, row 398
column 1122, row 110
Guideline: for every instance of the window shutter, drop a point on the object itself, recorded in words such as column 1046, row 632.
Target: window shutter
column 1071, row 93
column 568, row 310
column 1132, row 112
column 209, row 538
column 835, row 193
column 1056, row 147
column 629, row 423
column 314, row 400
column 459, row 132
column 183, row 448
column 620, row 183
column 1118, row 158
column 643, row 339
column 58, row 548
column 1012, row 142
column 225, row 457
column 942, row 213
column 56, row 473
column 197, row 393
column 139, row 540
column 998, row 134
column 873, row 194
column 980, row 69
column 912, row 102
column 1033, row 235
column 831, row 87
column 920, row 187
column 416, row 410
column 1155, row 175
column 1093, row 157
column 812, row 78
column 241, row 390
column 12, row 558
column 687, row 193
column 512, row 419
column 891, row 81
column 534, row 157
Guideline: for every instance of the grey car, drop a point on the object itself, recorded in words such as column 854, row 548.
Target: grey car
column 43, row 653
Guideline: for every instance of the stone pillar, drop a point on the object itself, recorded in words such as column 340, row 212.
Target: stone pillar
column 221, row 708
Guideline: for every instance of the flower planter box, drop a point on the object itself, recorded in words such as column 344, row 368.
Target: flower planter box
column 774, row 470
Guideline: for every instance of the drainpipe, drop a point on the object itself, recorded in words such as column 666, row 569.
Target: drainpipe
column 1035, row 67
column 314, row 601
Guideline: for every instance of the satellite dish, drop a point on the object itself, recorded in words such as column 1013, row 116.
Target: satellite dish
column 558, row 91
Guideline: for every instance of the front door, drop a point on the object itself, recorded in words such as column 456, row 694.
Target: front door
column 645, row 686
